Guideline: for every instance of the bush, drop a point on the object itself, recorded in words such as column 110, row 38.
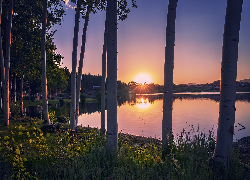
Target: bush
column 61, row 102
column 62, row 120
column 83, row 98
column 99, row 95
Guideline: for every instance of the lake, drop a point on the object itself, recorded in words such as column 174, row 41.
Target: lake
column 142, row 115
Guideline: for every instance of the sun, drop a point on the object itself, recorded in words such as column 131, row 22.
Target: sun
column 143, row 78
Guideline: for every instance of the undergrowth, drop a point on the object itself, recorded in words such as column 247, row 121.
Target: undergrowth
column 29, row 153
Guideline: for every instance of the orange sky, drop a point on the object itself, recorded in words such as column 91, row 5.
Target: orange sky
column 141, row 41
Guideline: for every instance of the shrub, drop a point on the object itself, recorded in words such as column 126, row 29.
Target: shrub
column 61, row 102
column 83, row 98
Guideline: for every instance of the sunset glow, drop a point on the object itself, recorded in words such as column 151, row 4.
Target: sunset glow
column 142, row 103
column 143, row 78
column 141, row 45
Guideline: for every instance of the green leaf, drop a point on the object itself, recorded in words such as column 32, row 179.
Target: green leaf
column 6, row 137
column 17, row 151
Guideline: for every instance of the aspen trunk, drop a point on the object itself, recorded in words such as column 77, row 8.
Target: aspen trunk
column 1, row 105
column 1, row 59
column 168, row 76
column 43, row 59
column 73, row 73
column 7, row 65
column 21, row 96
column 79, row 76
column 225, row 131
column 10, row 88
column 104, row 53
column 112, row 126
column 14, row 95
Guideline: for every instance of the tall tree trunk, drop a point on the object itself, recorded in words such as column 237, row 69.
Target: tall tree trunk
column 21, row 96
column 112, row 126
column 168, row 76
column 79, row 76
column 225, row 131
column 73, row 73
column 104, row 53
column 14, row 89
column 10, row 87
column 43, row 59
column 1, row 58
column 29, row 91
column 7, row 65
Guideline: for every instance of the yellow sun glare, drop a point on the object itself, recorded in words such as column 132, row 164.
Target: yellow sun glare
column 142, row 104
column 143, row 78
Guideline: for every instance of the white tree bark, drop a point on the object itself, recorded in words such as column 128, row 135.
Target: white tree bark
column 79, row 76
column 226, row 120
column 7, row 65
column 21, row 96
column 168, row 75
column 1, row 58
column 43, row 62
column 73, row 73
column 112, row 126
column 14, row 89
column 11, row 88
column 104, row 53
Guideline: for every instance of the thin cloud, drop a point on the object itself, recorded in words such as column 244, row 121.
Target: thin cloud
column 68, row 5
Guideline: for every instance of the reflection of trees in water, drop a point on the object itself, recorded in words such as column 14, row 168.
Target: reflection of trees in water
column 89, row 108
column 133, row 99
column 245, row 97
column 215, row 97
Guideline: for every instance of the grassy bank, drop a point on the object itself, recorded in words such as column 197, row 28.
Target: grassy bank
column 52, row 102
column 27, row 152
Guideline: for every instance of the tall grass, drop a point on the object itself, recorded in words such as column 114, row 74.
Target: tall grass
column 29, row 153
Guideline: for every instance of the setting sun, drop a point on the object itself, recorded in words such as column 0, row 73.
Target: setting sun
column 143, row 78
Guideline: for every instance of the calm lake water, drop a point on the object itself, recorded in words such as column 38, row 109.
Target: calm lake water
column 143, row 114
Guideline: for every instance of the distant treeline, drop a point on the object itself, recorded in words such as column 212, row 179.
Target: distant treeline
column 89, row 81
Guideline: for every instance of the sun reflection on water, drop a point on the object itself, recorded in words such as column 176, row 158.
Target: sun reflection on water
column 142, row 103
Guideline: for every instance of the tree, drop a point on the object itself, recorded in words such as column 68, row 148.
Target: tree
column 1, row 57
column 104, row 51
column 57, row 79
column 168, row 77
column 73, row 73
column 7, row 64
column 26, row 37
column 81, row 6
column 81, row 61
column 112, row 126
column 43, row 62
column 225, row 131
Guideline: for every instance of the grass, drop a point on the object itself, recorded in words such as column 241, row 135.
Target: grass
column 28, row 153
column 53, row 102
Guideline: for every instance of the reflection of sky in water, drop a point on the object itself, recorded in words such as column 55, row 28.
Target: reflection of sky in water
column 144, row 118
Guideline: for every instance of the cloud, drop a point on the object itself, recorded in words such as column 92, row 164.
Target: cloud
column 68, row 5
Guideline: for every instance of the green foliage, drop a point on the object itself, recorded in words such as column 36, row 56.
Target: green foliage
column 83, row 98
column 52, row 115
column 99, row 95
column 122, row 10
column 25, row 51
column 29, row 153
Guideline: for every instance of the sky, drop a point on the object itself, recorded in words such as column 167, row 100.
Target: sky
column 142, row 40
